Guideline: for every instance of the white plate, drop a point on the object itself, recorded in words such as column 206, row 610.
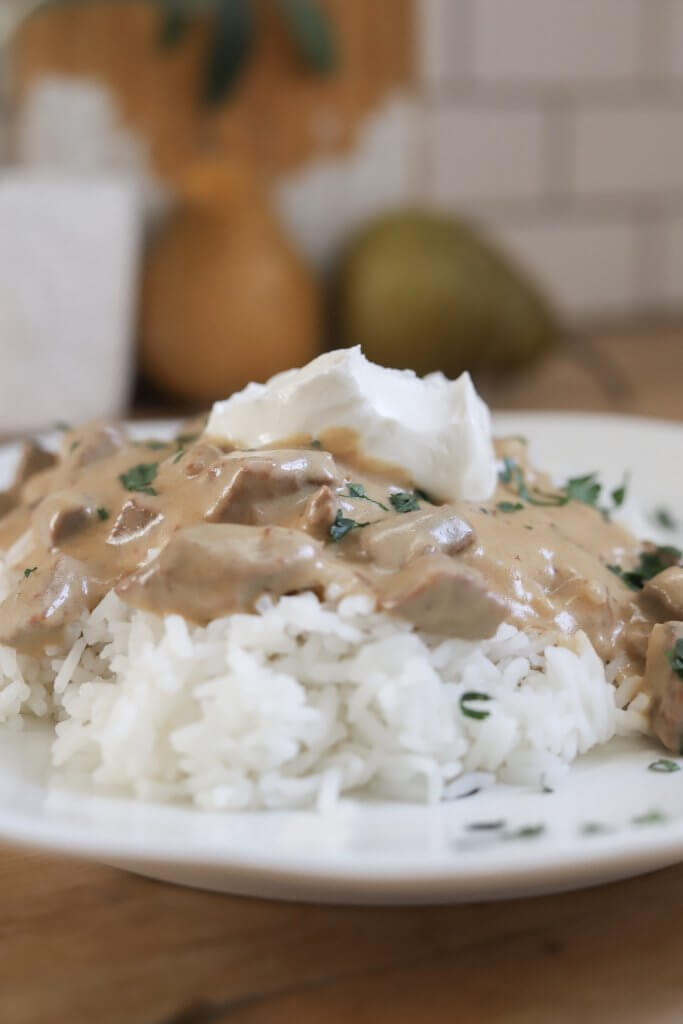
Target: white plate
column 400, row 853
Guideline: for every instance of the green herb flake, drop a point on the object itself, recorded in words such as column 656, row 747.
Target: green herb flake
column 650, row 564
column 665, row 518
column 155, row 446
column 618, row 495
column 467, row 698
column 140, row 477
column 343, row 525
column 184, row 439
column 675, row 657
column 315, row 443
column 664, row 765
column 29, row 572
column 650, row 818
column 74, row 445
column 593, row 828
column 525, row 832
column 509, row 506
column 358, row 491
column 103, row 514
column 586, row 489
column 485, row 826
column 178, row 455
column 404, row 501
column 512, row 474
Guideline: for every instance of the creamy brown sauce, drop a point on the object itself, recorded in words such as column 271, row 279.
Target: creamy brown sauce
column 194, row 528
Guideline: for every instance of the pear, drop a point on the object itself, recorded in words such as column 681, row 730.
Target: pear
column 426, row 291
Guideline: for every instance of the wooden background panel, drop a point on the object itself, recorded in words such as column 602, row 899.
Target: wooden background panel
column 279, row 116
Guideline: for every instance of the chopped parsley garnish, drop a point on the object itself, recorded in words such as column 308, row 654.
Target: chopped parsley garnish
column 178, row 455
column 29, row 572
column 650, row 564
column 343, row 525
column 155, row 446
column 650, row 818
column 405, row 501
column 675, row 656
column 74, row 445
column 509, row 506
column 184, row 439
column 465, row 700
column 618, row 495
column 140, row 477
column 103, row 514
column 485, row 826
column 585, row 489
column 512, row 474
column 593, row 828
column 358, row 491
column 315, row 443
column 664, row 765
column 664, row 518
column 525, row 832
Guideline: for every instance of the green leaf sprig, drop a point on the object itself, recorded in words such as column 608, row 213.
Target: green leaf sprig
column 358, row 491
column 140, row 477
column 467, row 698
column 650, row 564
column 586, row 489
column 675, row 657
column 342, row 525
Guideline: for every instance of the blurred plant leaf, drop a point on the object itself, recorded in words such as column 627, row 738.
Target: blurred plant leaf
column 175, row 21
column 231, row 44
column 311, row 32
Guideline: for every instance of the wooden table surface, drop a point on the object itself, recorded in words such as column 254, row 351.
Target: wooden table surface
column 86, row 944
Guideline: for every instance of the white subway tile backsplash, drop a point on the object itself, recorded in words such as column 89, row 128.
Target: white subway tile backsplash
column 587, row 268
column 484, row 154
column 556, row 40
column 443, row 30
column 674, row 61
column 557, row 123
column 633, row 150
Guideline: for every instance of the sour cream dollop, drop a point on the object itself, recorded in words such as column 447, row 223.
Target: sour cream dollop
column 439, row 430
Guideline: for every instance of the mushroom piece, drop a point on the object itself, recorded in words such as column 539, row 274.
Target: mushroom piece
column 665, row 685
column 256, row 483
column 665, row 591
column 133, row 520
column 44, row 602
column 443, row 596
column 395, row 541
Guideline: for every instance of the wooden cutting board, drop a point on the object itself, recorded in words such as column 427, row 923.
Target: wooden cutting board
column 279, row 116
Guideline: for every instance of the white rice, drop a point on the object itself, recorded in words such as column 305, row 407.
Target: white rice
column 304, row 700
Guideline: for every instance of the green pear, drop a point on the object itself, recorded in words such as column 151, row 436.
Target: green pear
column 427, row 291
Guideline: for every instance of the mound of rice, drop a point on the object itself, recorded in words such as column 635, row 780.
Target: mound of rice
column 304, row 700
